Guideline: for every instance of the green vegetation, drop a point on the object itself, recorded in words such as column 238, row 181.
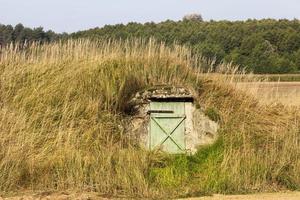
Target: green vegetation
column 212, row 113
column 20, row 34
column 261, row 46
column 191, row 171
column 63, row 124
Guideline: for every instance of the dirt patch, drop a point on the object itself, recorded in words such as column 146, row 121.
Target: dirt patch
column 55, row 195
column 96, row 196
column 267, row 196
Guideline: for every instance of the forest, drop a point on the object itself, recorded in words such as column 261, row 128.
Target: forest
column 265, row 46
column 20, row 35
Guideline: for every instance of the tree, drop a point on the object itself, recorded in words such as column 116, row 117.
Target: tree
column 1, row 40
column 20, row 34
column 193, row 17
column 17, row 33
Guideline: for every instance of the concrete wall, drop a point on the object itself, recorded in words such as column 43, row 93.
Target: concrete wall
column 199, row 129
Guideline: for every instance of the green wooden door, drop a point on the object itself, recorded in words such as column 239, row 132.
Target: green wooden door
column 167, row 126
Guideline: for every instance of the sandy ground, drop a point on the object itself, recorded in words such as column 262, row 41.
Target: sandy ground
column 91, row 196
column 267, row 196
column 55, row 195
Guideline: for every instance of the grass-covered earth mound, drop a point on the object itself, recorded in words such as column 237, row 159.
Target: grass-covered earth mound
column 63, row 120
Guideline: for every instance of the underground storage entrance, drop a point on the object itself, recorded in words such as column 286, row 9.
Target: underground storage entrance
column 168, row 123
column 168, row 118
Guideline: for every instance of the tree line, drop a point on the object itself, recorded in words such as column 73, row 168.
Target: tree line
column 20, row 34
column 261, row 46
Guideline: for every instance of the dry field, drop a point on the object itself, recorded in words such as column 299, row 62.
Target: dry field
column 287, row 93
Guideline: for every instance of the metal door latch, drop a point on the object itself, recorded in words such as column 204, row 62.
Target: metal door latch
column 159, row 111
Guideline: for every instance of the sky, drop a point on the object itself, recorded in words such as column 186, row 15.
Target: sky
column 74, row 15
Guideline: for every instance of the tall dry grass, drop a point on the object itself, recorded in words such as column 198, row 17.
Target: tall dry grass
column 62, row 108
column 261, row 141
column 63, row 115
